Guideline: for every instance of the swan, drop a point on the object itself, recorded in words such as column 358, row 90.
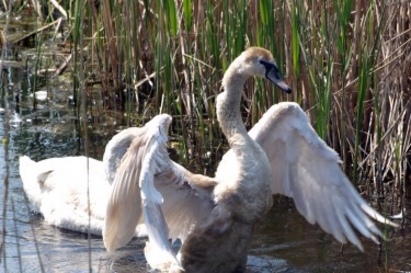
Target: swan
column 137, row 190
column 72, row 192
column 215, row 217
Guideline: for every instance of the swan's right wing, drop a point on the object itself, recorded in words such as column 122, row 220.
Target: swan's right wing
column 307, row 170
column 150, row 188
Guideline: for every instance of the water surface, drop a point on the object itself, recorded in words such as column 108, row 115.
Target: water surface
column 285, row 242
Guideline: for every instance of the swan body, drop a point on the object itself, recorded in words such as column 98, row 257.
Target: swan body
column 72, row 192
column 214, row 217
column 57, row 188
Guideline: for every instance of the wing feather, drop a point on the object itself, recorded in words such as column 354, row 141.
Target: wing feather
column 150, row 188
column 307, row 170
column 124, row 205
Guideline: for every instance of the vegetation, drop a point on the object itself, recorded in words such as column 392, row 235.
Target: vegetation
column 347, row 61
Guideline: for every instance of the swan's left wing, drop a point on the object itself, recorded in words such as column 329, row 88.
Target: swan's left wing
column 306, row 169
column 148, row 187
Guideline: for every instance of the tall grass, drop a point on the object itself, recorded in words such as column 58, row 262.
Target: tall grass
column 347, row 62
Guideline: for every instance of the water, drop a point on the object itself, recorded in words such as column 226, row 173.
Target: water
column 287, row 235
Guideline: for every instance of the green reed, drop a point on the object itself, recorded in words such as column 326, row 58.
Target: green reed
column 332, row 53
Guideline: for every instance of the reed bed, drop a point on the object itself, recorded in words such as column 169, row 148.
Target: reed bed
column 347, row 61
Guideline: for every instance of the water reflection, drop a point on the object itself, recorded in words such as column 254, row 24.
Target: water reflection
column 287, row 235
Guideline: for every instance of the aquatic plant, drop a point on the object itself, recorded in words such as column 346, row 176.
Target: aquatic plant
column 346, row 60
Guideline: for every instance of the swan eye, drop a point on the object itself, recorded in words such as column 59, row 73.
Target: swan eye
column 269, row 66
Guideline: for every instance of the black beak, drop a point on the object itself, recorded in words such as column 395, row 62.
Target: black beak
column 273, row 75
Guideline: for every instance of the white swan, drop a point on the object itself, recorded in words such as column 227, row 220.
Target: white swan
column 58, row 187
column 213, row 217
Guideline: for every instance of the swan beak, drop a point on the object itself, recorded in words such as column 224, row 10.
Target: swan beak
column 272, row 74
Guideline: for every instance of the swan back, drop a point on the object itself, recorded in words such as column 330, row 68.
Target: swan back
column 59, row 189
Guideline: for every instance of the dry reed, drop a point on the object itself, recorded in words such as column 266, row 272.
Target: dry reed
column 347, row 61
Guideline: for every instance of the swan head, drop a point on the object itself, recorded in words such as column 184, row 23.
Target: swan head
column 257, row 61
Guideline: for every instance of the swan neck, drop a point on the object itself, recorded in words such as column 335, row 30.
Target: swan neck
column 228, row 105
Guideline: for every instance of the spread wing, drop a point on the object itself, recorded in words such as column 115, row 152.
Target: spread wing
column 150, row 188
column 306, row 169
